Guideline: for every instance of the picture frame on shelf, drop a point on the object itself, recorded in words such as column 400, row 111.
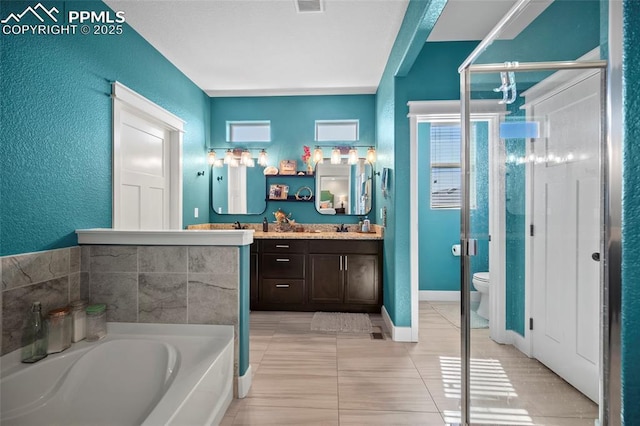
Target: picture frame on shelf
column 278, row 191
column 288, row 167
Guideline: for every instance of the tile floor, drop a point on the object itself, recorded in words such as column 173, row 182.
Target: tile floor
column 312, row 378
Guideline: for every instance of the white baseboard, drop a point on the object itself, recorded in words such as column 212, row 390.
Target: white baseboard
column 445, row 296
column 519, row 342
column 398, row 334
column 244, row 383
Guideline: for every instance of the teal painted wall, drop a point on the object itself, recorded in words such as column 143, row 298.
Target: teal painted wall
column 515, row 185
column 55, row 146
column 631, row 214
column 439, row 229
column 419, row 19
column 292, row 126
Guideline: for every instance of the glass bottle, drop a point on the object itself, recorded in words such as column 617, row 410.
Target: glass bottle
column 34, row 336
column 79, row 319
column 60, row 329
column 96, row 322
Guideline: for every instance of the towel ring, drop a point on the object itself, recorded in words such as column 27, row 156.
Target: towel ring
column 304, row 193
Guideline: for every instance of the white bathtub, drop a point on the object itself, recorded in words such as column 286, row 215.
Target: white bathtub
column 149, row 374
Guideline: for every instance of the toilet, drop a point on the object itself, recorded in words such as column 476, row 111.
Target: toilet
column 481, row 283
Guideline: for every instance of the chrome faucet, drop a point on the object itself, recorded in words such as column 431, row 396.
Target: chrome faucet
column 237, row 225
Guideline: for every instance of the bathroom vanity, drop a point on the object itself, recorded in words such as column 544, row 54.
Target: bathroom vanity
column 316, row 272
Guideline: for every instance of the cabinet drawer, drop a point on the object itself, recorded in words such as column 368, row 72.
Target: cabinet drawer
column 282, row 291
column 284, row 246
column 283, row 265
column 344, row 246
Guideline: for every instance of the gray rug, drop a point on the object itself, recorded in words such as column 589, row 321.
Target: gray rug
column 342, row 322
column 451, row 312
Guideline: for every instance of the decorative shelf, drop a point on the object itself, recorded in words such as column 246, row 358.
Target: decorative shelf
column 289, row 176
column 292, row 198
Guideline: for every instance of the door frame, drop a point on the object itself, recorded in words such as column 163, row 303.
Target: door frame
column 124, row 98
column 422, row 111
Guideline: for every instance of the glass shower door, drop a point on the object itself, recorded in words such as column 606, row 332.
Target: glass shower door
column 531, row 276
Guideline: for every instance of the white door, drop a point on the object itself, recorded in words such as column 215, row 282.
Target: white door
column 566, row 218
column 144, row 173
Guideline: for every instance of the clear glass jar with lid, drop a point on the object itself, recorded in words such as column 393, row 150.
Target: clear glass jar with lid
column 79, row 319
column 96, row 322
column 59, row 327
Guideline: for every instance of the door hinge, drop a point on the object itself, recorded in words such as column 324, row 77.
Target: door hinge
column 530, row 323
column 531, row 230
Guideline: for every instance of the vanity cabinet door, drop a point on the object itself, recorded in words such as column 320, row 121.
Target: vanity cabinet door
column 326, row 278
column 361, row 279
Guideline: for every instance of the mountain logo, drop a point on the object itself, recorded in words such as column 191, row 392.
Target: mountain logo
column 38, row 11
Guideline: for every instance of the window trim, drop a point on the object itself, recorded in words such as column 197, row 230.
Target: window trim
column 230, row 124
column 319, row 123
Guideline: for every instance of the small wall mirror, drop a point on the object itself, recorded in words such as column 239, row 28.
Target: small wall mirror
column 344, row 188
column 238, row 190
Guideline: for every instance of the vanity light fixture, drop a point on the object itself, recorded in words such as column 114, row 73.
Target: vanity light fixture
column 371, row 155
column 245, row 158
column 228, row 157
column 353, row 156
column 211, row 157
column 219, row 163
column 262, row 158
column 336, row 157
column 318, row 156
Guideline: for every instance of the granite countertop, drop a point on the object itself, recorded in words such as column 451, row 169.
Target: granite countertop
column 311, row 231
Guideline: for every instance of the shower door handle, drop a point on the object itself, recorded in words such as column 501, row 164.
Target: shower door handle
column 595, row 256
column 472, row 247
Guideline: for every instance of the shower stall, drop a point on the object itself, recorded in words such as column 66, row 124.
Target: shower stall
column 559, row 208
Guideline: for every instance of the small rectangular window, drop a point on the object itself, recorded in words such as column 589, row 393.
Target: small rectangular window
column 446, row 169
column 248, row 131
column 337, row 130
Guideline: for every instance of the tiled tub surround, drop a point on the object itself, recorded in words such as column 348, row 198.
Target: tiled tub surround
column 52, row 277
column 166, row 284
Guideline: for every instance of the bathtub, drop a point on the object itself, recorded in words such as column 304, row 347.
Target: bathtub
column 140, row 374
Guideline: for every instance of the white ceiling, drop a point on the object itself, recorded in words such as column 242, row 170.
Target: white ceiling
column 266, row 47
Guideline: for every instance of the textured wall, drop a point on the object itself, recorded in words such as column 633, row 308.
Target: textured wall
column 292, row 126
column 631, row 215
column 55, row 144
column 419, row 19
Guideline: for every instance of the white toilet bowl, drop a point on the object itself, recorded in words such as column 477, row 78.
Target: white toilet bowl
column 482, row 284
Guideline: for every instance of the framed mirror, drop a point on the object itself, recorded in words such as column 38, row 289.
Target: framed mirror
column 344, row 189
column 238, row 190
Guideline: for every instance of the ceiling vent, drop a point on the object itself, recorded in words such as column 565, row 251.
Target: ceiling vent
column 306, row 6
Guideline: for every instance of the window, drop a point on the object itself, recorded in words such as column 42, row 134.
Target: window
column 248, row 131
column 337, row 130
column 446, row 170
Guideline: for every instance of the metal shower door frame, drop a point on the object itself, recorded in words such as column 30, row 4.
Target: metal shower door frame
column 607, row 206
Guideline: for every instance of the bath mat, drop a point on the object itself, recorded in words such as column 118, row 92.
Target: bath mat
column 451, row 312
column 341, row 321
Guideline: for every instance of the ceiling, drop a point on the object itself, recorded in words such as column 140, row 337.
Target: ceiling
column 267, row 47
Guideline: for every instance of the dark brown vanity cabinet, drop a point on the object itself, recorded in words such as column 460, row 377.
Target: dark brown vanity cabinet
column 350, row 277
column 281, row 278
column 317, row 275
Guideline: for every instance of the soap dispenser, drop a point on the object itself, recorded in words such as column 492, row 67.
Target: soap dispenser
column 34, row 336
column 265, row 225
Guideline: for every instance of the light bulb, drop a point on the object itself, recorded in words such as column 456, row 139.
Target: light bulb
column 250, row 163
column 262, row 158
column 371, row 155
column 318, row 156
column 335, row 156
column 245, row 158
column 353, row 156
column 211, row 157
column 228, row 157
